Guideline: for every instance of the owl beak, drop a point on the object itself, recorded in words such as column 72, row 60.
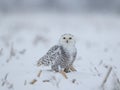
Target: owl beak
column 67, row 41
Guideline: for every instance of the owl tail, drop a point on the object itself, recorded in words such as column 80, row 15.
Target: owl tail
column 39, row 63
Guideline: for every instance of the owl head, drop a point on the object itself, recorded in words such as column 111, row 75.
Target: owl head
column 67, row 39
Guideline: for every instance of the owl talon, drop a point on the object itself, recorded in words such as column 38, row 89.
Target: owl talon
column 72, row 68
column 64, row 74
column 67, row 70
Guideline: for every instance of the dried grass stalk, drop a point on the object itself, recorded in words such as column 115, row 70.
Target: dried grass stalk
column 33, row 81
column 106, row 77
column 39, row 73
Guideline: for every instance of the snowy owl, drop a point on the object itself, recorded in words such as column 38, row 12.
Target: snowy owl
column 61, row 57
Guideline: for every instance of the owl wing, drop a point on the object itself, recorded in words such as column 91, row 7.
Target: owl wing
column 74, row 56
column 50, row 57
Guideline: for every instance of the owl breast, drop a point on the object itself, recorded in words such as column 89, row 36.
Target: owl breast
column 72, row 52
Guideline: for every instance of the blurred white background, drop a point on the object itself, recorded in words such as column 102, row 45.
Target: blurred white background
column 28, row 28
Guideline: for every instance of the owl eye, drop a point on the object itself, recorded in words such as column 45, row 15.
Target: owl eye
column 63, row 37
column 70, row 38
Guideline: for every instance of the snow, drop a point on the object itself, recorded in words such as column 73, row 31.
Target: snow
column 26, row 37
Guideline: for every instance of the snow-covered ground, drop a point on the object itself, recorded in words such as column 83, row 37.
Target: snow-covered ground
column 24, row 38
